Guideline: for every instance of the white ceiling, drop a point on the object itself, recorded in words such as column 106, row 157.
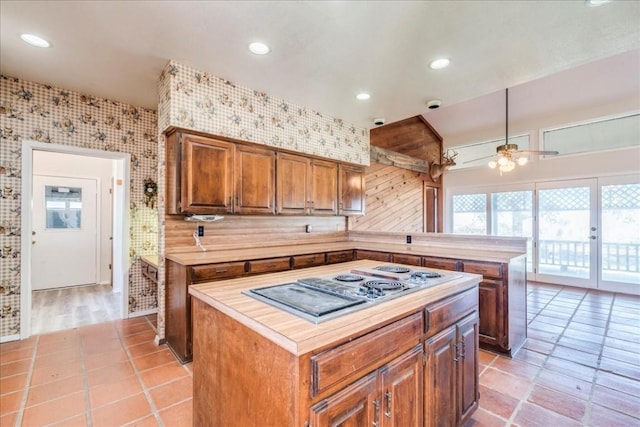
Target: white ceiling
column 323, row 52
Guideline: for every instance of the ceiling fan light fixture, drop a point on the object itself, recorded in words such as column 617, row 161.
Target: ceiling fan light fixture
column 596, row 3
column 523, row 161
column 439, row 63
column 493, row 164
column 34, row 40
column 259, row 48
column 503, row 161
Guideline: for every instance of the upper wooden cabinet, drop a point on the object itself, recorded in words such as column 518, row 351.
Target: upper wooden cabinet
column 306, row 186
column 255, row 180
column 199, row 174
column 351, row 190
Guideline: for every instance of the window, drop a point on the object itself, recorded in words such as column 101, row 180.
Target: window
column 512, row 216
column 470, row 214
column 601, row 135
column 63, row 207
column 478, row 154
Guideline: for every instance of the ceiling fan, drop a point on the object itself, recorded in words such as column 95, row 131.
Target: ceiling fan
column 507, row 155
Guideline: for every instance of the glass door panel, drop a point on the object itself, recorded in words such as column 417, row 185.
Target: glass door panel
column 567, row 233
column 512, row 215
column 620, row 234
column 469, row 213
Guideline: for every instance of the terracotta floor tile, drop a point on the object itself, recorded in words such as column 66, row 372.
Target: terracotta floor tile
column 584, row 358
column 539, row 335
column 134, row 329
column 497, row 403
column 149, row 421
column 173, row 392
column 121, row 412
column 63, row 339
column 482, row 418
column 13, row 383
column 14, row 368
column 104, row 330
column 616, row 382
column 507, row 384
column 622, row 344
column 628, row 336
column 77, row 421
column 593, row 320
column 59, row 357
column 54, row 410
column 620, row 368
column 15, row 355
column 101, row 360
column 543, row 347
column 179, row 415
column 17, row 345
column 154, row 359
column 162, row 374
column 8, row 420
column 110, row 374
column 541, row 325
column 515, row 367
column 571, row 369
column 112, row 344
column 10, row 402
column 104, row 394
column 616, row 400
column 143, row 337
column 562, row 383
column 531, row 357
column 485, row 357
column 55, row 371
column 575, row 326
column 145, row 348
column 54, row 389
column 44, row 350
column 534, row 416
column 581, row 345
column 557, row 402
column 601, row 416
column 622, row 355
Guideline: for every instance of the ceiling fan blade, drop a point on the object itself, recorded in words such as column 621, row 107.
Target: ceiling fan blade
column 545, row 153
column 479, row 158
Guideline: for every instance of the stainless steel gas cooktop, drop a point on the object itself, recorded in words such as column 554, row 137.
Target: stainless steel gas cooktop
column 322, row 298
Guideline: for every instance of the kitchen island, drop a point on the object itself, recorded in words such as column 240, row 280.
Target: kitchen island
column 397, row 363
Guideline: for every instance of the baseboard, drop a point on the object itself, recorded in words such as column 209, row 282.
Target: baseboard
column 7, row 338
column 143, row 313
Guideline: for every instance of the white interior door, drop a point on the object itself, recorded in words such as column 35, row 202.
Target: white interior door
column 64, row 236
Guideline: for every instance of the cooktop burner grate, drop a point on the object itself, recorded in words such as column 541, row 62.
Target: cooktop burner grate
column 384, row 285
column 393, row 269
column 425, row 275
column 348, row 278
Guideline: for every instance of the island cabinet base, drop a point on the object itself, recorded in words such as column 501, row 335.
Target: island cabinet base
column 382, row 375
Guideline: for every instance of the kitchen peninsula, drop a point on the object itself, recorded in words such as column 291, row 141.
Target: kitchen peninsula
column 255, row 364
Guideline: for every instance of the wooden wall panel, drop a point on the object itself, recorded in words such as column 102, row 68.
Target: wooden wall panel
column 394, row 200
column 245, row 231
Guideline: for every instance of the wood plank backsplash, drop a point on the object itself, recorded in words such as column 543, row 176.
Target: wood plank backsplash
column 394, row 200
column 242, row 231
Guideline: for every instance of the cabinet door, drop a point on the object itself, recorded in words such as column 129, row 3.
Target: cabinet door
column 468, row 376
column 441, row 263
column 355, row 405
column 440, row 381
column 491, row 303
column 373, row 255
column 407, row 259
column 255, row 180
column 351, row 190
column 207, row 175
column 324, row 188
column 402, row 391
column 293, row 183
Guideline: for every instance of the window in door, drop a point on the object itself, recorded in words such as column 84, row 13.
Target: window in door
column 512, row 215
column 63, row 207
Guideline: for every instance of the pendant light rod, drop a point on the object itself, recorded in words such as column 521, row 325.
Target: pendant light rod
column 506, row 119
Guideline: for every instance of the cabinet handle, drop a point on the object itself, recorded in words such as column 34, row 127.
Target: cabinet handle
column 462, row 351
column 456, row 358
column 376, row 417
column 387, row 413
column 221, row 271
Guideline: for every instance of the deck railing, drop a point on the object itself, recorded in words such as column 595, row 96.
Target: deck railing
column 567, row 253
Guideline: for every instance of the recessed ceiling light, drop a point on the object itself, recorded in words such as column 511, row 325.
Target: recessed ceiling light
column 594, row 3
column 439, row 63
column 363, row 96
column 259, row 48
column 34, row 40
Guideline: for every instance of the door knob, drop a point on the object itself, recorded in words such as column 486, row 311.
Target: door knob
column 593, row 237
column 33, row 242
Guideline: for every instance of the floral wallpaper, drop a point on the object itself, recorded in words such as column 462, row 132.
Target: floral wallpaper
column 43, row 113
column 196, row 100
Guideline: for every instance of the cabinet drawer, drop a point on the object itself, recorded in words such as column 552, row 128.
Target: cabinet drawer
column 446, row 312
column 407, row 259
column 339, row 256
column 361, row 354
column 442, row 263
column 201, row 273
column 311, row 260
column 269, row 265
column 373, row 255
column 486, row 269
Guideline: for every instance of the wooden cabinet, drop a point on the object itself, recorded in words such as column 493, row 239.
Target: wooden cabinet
column 255, row 181
column 407, row 259
column 199, row 174
column 451, row 374
column 269, row 265
column 306, row 186
column 309, row 260
column 391, row 396
column 441, row 263
column 339, row 256
column 351, row 190
column 373, row 255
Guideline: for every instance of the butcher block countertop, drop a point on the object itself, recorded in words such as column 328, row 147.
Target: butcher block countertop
column 299, row 336
column 462, row 250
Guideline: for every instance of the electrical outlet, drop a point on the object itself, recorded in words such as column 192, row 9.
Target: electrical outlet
column 408, row 239
column 200, row 230
column 308, row 228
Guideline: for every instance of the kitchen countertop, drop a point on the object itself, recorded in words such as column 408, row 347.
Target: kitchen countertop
column 425, row 249
column 150, row 259
column 299, row 336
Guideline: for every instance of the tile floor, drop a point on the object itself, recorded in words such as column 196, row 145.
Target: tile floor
column 580, row 367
